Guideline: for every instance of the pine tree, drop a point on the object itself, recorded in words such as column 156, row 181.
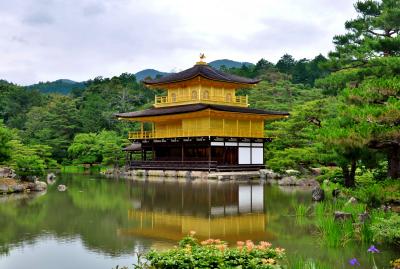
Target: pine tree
column 368, row 77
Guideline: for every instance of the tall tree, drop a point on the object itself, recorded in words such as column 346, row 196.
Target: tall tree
column 286, row 64
column 53, row 124
column 368, row 74
column 6, row 136
column 15, row 102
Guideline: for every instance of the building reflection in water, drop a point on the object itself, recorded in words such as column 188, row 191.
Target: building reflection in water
column 228, row 211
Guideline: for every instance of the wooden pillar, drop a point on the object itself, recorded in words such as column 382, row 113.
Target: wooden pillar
column 141, row 129
column 209, row 156
column 224, row 154
column 182, row 152
column 237, row 127
column 152, row 129
column 152, row 151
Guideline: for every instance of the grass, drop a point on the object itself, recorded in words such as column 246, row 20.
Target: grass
column 301, row 210
column 301, row 263
column 81, row 168
column 339, row 233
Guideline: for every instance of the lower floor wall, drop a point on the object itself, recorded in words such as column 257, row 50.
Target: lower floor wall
column 208, row 151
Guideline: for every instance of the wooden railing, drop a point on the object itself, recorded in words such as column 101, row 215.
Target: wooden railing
column 175, row 165
column 161, row 101
column 171, row 133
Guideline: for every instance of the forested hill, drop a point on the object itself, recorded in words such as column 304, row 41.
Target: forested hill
column 149, row 73
column 218, row 64
column 63, row 86
column 228, row 64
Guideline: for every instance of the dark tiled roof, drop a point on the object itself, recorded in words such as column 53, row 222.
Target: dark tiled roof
column 193, row 108
column 202, row 70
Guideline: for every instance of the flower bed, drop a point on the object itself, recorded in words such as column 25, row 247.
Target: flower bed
column 214, row 253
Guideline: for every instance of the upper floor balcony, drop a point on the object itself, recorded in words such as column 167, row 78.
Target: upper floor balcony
column 229, row 100
column 174, row 133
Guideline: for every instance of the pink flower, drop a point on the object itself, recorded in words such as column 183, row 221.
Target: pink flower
column 192, row 233
column 240, row 243
column 265, row 244
column 221, row 247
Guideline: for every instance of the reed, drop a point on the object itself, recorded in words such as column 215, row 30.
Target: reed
column 301, row 263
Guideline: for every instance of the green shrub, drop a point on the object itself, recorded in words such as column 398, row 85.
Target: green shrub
column 387, row 230
column 332, row 174
column 365, row 178
column 214, row 253
column 31, row 165
column 373, row 194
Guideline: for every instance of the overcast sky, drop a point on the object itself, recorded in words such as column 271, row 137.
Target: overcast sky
column 44, row 40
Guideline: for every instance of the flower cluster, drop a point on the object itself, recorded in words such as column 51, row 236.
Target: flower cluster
column 211, row 242
column 263, row 245
column 215, row 253
column 372, row 249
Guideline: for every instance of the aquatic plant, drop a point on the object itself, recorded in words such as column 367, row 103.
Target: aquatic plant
column 372, row 249
column 354, row 262
column 333, row 233
column 301, row 210
column 301, row 263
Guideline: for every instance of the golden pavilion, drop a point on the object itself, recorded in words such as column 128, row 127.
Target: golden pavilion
column 200, row 124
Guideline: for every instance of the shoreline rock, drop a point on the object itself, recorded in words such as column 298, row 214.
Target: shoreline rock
column 12, row 185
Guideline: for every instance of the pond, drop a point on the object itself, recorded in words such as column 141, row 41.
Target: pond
column 100, row 223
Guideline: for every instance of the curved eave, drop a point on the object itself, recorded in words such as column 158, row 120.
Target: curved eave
column 158, row 113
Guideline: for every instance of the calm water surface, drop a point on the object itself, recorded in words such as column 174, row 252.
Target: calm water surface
column 100, row 223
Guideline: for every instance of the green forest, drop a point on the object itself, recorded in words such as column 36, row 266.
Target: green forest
column 345, row 111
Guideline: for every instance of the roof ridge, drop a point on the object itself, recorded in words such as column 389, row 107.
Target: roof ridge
column 201, row 70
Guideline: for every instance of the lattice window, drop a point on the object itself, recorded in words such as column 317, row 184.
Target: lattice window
column 194, row 95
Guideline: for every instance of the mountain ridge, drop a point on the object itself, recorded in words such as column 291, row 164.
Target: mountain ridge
column 65, row 86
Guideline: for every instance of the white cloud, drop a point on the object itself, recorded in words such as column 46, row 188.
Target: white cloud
column 80, row 39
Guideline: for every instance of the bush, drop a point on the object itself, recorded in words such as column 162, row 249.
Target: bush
column 372, row 195
column 387, row 230
column 333, row 174
column 31, row 165
column 214, row 253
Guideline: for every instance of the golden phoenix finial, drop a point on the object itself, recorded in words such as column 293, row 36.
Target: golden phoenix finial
column 202, row 57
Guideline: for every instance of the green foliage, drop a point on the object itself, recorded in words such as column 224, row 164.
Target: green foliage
column 90, row 148
column 53, row 124
column 296, row 144
column 104, row 97
column 62, row 86
column 31, row 165
column 332, row 174
column 367, row 82
column 281, row 95
column 387, row 229
column 301, row 263
column 54, row 120
column 6, row 136
column 216, row 254
column 15, row 102
column 84, row 149
column 29, row 160
column 375, row 193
